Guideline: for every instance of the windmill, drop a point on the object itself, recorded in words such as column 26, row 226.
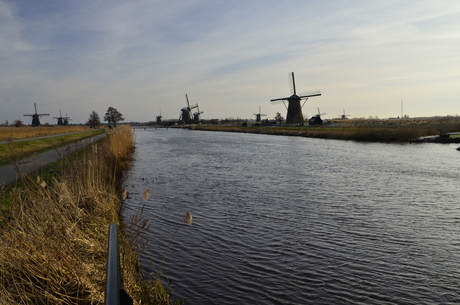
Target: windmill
column 159, row 118
column 36, row 116
column 196, row 115
column 259, row 115
column 316, row 120
column 344, row 116
column 294, row 109
column 185, row 116
column 62, row 120
column 66, row 120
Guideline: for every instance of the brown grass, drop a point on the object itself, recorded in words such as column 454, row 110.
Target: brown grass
column 8, row 133
column 358, row 130
column 54, row 238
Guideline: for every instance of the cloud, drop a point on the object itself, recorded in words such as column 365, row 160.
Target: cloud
column 231, row 57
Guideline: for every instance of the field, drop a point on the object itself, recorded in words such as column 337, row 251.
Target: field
column 11, row 133
column 406, row 130
column 18, row 150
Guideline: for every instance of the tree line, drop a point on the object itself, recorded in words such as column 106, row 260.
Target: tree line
column 112, row 117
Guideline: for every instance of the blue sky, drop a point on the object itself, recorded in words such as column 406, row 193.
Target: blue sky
column 230, row 57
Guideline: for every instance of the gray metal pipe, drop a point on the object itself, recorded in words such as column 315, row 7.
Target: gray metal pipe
column 114, row 293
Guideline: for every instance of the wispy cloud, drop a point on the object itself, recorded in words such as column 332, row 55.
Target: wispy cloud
column 231, row 56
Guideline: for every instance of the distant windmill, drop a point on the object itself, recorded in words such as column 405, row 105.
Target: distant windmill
column 159, row 118
column 294, row 109
column 259, row 115
column 319, row 113
column 36, row 116
column 66, row 119
column 316, row 120
column 196, row 115
column 185, row 116
column 62, row 120
column 344, row 116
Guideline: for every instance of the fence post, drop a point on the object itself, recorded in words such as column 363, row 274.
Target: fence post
column 114, row 292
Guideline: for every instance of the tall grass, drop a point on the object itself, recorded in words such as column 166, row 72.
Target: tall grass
column 358, row 130
column 54, row 238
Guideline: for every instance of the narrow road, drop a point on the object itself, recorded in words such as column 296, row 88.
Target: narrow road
column 29, row 165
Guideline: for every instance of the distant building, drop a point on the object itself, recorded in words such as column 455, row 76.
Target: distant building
column 316, row 120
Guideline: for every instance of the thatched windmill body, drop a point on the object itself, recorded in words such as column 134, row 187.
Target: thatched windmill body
column 66, row 119
column 259, row 115
column 62, row 121
column 159, row 117
column 294, row 108
column 344, row 116
column 196, row 115
column 36, row 116
column 185, row 116
column 316, row 120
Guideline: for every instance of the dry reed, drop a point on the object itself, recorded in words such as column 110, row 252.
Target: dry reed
column 53, row 240
column 359, row 130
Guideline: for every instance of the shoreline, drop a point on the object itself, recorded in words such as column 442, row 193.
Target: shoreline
column 359, row 134
column 54, row 232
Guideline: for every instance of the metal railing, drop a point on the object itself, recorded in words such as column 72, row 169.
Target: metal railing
column 114, row 292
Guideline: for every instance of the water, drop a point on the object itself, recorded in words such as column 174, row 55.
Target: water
column 289, row 220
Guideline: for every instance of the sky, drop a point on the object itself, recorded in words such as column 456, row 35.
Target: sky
column 368, row 58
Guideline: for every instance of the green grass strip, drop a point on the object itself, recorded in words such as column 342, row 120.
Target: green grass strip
column 20, row 150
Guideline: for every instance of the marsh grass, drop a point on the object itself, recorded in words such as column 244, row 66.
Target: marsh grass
column 406, row 130
column 53, row 239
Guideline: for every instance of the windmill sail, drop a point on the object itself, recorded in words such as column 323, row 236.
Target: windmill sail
column 294, row 109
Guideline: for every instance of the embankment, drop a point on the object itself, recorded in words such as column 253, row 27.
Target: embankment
column 54, row 235
column 357, row 130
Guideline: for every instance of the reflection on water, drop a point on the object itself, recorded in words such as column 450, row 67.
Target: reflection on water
column 288, row 220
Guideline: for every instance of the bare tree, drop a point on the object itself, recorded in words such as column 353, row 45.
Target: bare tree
column 112, row 116
column 279, row 118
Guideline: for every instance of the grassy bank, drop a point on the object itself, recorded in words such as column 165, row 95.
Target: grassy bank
column 24, row 149
column 8, row 133
column 54, row 236
column 358, row 130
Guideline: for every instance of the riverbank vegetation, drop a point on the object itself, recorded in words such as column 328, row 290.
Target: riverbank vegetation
column 54, row 235
column 405, row 130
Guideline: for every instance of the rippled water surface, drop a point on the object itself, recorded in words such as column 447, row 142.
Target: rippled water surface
column 289, row 220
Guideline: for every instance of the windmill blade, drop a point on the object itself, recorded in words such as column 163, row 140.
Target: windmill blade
column 280, row 99
column 186, row 96
column 311, row 94
column 293, row 84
